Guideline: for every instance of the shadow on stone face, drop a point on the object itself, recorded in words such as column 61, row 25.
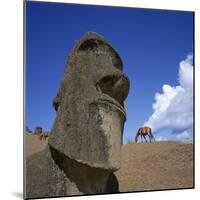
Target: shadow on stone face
column 112, row 184
column 51, row 173
column 88, row 180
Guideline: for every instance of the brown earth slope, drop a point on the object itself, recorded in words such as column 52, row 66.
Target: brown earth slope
column 33, row 144
column 146, row 166
column 153, row 166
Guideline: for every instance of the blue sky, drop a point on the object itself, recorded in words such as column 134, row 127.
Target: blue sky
column 151, row 43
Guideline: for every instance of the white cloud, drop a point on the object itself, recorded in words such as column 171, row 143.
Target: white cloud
column 161, row 138
column 185, row 135
column 173, row 108
column 186, row 72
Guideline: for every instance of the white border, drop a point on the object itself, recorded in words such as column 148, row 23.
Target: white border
column 11, row 101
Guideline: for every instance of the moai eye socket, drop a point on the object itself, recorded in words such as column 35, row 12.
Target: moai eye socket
column 116, row 86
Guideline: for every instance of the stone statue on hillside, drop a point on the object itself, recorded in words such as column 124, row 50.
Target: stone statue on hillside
column 28, row 130
column 38, row 130
column 84, row 145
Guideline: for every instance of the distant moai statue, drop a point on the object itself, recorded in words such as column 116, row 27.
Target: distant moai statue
column 38, row 130
column 28, row 130
column 85, row 141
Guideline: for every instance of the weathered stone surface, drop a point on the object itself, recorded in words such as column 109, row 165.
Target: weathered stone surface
column 89, row 103
column 85, row 141
column 52, row 174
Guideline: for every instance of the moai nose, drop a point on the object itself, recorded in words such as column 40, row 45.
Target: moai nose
column 116, row 86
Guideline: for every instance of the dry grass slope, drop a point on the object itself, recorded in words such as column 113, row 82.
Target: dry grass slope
column 153, row 166
column 34, row 145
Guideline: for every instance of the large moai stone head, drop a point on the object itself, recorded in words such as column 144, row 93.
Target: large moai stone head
column 90, row 105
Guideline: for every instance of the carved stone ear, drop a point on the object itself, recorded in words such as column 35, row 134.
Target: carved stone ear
column 56, row 103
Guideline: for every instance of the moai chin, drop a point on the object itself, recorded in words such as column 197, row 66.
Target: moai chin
column 90, row 105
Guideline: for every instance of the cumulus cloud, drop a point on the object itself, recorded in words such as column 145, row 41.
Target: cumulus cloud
column 161, row 138
column 186, row 72
column 173, row 108
column 185, row 135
